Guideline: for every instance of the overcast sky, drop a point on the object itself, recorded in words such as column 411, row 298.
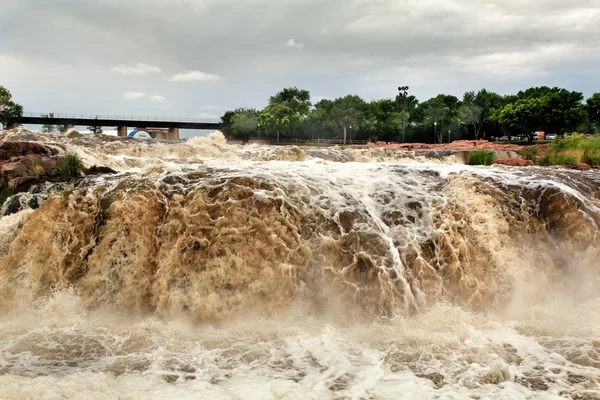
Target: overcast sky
column 197, row 58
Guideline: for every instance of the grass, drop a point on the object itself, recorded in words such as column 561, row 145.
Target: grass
column 71, row 165
column 570, row 150
column 481, row 157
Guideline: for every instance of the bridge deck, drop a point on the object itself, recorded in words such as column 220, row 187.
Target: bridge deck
column 110, row 120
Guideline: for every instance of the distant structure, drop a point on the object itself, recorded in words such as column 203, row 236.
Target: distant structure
column 163, row 128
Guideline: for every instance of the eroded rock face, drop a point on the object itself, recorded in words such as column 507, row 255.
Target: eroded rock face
column 579, row 167
column 22, row 162
column 9, row 150
column 513, row 162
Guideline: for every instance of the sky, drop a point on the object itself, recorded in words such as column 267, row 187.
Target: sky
column 198, row 58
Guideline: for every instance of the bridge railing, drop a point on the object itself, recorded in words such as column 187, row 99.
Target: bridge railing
column 119, row 118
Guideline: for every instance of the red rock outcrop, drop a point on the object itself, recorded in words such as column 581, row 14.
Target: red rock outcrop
column 513, row 162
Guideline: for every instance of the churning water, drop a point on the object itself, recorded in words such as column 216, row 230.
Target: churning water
column 208, row 271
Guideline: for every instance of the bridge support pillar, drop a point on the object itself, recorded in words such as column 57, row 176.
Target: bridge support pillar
column 67, row 127
column 122, row 131
column 173, row 134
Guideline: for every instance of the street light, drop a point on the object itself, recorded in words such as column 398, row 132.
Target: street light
column 403, row 95
column 434, row 131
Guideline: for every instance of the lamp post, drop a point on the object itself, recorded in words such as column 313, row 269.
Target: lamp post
column 350, row 134
column 449, row 132
column 404, row 96
column 434, row 131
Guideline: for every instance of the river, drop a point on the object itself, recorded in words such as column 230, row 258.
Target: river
column 203, row 270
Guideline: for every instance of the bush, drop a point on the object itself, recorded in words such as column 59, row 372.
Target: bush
column 71, row 165
column 481, row 157
column 530, row 153
column 6, row 193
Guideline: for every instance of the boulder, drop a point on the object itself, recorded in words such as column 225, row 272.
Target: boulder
column 513, row 162
column 8, row 150
column 73, row 133
column 579, row 167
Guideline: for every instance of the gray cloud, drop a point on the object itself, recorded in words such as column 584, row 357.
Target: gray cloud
column 59, row 55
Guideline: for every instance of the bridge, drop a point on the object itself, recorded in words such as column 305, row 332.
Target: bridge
column 121, row 122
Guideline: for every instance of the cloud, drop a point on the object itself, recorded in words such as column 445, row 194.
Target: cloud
column 157, row 98
column 292, row 43
column 136, row 69
column 134, row 95
column 363, row 47
column 195, row 76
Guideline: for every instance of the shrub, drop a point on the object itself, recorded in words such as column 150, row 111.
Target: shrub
column 481, row 157
column 71, row 165
column 38, row 170
column 6, row 193
column 530, row 153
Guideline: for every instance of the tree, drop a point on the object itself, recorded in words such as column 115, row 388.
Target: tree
column 95, row 129
column 435, row 114
column 10, row 112
column 523, row 117
column 296, row 99
column 593, row 109
column 244, row 123
column 543, row 108
column 346, row 112
column 399, row 121
column 48, row 128
column 470, row 114
column 278, row 118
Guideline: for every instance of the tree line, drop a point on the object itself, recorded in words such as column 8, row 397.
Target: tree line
column 483, row 114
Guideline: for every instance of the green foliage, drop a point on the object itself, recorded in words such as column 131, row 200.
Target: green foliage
column 6, row 193
column 478, row 114
column 347, row 112
column 244, row 123
column 71, row 165
column 279, row 119
column 530, row 153
column 593, row 108
column 573, row 149
column 296, row 99
column 48, row 128
column 542, row 109
column 10, row 111
column 481, row 157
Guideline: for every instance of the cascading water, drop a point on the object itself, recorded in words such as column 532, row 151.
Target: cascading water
column 203, row 270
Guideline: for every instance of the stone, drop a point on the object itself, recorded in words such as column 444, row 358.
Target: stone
column 73, row 133
column 14, row 169
column 513, row 162
column 579, row 167
column 19, row 149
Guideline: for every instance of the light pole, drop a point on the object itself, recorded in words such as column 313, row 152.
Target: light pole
column 350, row 134
column 404, row 96
column 434, row 132
column 449, row 132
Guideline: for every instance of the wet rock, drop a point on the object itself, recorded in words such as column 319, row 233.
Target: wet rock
column 585, row 395
column 534, row 383
column 99, row 170
column 579, row 167
column 19, row 149
column 513, row 162
column 72, row 134
column 435, row 377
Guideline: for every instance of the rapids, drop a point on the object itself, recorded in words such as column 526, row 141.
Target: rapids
column 203, row 270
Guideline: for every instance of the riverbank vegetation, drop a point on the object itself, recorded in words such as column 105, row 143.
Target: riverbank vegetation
column 483, row 114
column 481, row 157
column 569, row 150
